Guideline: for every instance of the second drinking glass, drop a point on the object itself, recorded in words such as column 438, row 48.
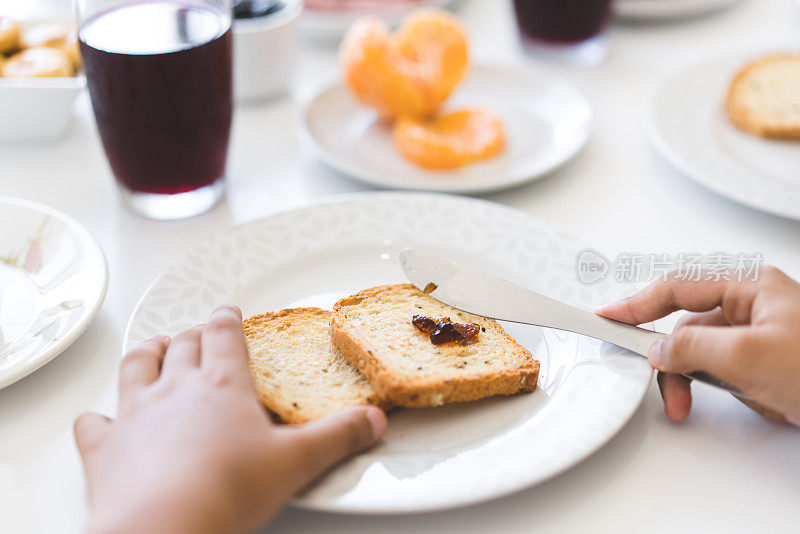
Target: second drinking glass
column 569, row 30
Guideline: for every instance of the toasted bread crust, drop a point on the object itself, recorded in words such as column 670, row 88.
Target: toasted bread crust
column 743, row 115
column 255, row 327
column 404, row 389
column 261, row 319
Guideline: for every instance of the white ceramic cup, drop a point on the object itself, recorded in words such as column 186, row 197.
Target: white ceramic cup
column 264, row 53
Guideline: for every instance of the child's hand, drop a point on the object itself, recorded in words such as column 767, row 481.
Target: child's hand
column 745, row 333
column 192, row 450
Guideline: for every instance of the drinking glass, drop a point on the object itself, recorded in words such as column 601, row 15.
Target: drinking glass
column 573, row 30
column 159, row 75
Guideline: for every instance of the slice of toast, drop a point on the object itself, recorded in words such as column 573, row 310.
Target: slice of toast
column 298, row 375
column 373, row 330
column 764, row 97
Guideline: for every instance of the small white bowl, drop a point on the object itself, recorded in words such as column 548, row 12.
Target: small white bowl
column 265, row 52
column 37, row 109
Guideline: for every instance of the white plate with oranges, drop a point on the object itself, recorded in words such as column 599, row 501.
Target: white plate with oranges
column 412, row 113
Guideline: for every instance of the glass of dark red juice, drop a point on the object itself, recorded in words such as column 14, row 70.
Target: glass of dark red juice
column 159, row 74
column 571, row 29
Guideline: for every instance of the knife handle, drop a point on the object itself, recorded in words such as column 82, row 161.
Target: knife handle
column 639, row 341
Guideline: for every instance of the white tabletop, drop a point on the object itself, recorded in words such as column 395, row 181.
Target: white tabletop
column 724, row 470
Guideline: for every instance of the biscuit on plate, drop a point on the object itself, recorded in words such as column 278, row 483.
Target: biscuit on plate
column 298, row 375
column 764, row 97
column 38, row 62
column 9, row 35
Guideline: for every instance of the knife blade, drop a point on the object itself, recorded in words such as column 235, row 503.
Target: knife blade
column 480, row 293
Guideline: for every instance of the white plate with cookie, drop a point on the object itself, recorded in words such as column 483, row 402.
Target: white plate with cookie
column 431, row 458
column 546, row 121
column 691, row 127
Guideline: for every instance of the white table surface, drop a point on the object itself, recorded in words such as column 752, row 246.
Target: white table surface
column 723, row 470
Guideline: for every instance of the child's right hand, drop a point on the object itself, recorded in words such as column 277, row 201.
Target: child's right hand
column 745, row 333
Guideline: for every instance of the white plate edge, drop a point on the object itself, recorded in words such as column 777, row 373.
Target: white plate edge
column 644, row 10
column 45, row 357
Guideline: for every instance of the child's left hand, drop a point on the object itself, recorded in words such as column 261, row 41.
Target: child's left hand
column 192, row 449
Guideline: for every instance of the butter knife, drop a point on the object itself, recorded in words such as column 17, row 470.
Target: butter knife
column 479, row 293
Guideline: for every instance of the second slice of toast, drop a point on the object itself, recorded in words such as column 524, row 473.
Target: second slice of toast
column 373, row 330
column 296, row 371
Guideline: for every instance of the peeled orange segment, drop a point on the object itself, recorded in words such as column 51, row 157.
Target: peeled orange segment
column 372, row 71
column 434, row 46
column 408, row 74
column 450, row 141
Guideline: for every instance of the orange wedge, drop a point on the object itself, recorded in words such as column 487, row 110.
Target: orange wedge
column 408, row 74
column 450, row 141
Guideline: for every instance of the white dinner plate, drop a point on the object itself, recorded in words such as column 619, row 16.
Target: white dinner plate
column 690, row 128
column 332, row 24
column 53, row 279
column 656, row 10
column 434, row 458
column 546, row 119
